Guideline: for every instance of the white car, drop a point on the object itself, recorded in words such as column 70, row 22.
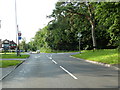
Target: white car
column 30, row 52
column 38, row 51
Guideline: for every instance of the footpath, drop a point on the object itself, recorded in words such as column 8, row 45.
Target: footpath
column 6, row 71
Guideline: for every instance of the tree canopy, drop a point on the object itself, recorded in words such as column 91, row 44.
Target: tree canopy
column 98, row 22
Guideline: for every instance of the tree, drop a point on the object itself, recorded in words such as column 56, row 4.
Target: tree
column 23, row 45
column 83, row 10
column 108, row 16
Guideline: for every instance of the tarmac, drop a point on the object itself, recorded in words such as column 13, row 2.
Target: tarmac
column 6, row 71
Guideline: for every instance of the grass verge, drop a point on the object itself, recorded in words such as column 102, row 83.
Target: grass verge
column 5, row 56
column 7, row 63
column 107, row 56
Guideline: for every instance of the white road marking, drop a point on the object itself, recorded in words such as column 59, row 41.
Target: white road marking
column 68, row 72
column 36, row 57
column 50, row 57
column 54, row 61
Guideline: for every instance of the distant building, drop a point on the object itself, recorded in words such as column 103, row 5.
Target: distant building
column 8, row 45
column 0, row 43
column 13, row 45
column 1, row 46
column 5, row 44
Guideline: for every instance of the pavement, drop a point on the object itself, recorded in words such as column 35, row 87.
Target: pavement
column 60, row 71
column 6, row 71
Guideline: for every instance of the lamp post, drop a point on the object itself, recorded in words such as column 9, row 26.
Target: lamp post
column 79, row 35
column 0, row 24
column 16, row 29
column 18, row 33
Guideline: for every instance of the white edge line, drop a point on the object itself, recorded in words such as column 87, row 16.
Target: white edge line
column 54, row 61
column 68, row 72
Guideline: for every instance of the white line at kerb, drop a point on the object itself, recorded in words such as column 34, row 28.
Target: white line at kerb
column 68, row 72
column 54, row 61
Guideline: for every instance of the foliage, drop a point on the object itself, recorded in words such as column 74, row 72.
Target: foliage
column 23, row 45
column 108, row 16
column 98, row 23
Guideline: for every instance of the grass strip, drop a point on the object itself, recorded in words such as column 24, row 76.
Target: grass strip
column 5, row 56
column 107, row 56
column 7, row 63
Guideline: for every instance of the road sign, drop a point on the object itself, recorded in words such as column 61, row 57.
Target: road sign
column 19, row 34
column 79, row 34
column 19, row 38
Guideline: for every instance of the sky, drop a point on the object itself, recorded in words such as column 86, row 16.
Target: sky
column 31, row 16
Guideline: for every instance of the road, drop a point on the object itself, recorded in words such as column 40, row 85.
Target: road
column 60, row 71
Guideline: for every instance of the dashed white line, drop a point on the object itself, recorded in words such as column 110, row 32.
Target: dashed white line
column 68, row 72
column 54, row 61
column 50, row 57
column 36, row 57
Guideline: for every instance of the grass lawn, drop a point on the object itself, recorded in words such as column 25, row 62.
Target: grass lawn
column 5, row 56
column 108, row 56
column 7, row 63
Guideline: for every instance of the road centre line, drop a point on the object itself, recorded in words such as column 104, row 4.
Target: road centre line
column 54, row 61
column 36, row 57
column 50, row 57
column 64, row 69
column 68, row 72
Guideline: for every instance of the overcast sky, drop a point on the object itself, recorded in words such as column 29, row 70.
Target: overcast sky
column 31, row 15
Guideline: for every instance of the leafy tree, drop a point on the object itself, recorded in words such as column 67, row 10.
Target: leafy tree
column 108, row 16
column 83, row 10
column 24, row 45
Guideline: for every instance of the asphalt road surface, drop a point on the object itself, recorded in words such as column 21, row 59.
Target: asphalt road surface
column 60, row 71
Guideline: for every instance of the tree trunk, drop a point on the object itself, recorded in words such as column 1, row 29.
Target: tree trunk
column 92, row 22
column 93, row 35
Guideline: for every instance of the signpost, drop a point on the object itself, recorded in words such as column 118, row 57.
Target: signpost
column 19, row 38
column 19, row 35
column 79, row 35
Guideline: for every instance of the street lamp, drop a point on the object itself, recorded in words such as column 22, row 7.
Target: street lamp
column 79, row 35
column 18, row 33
